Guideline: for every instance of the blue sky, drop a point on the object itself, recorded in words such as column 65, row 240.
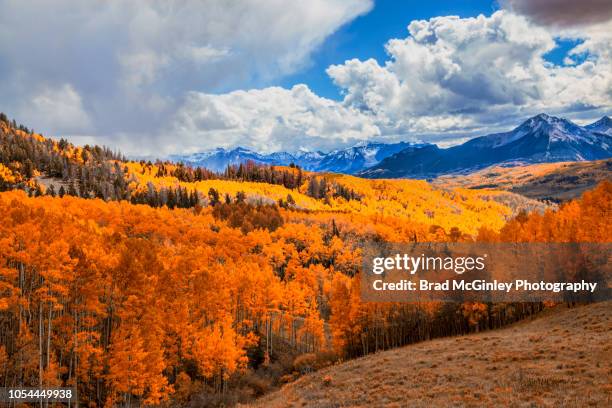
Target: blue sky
column 366, row 36
column 182, row 76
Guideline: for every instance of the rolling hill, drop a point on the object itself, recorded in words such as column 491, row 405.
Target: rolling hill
column 36, row 164
column 546, row 181
column 561, row 358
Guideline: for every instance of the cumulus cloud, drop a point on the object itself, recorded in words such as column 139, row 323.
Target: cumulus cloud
column 57, row 107
column 467, row 73
column 270, row 119
column 562, row 12
column 132, row 62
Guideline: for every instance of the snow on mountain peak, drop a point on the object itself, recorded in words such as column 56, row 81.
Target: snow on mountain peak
column 603, row 125
column 540, row 138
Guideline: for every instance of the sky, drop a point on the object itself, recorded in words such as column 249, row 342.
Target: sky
column 161, row 77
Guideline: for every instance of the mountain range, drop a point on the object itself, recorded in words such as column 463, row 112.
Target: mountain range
column 539, row 139
column 349, row 161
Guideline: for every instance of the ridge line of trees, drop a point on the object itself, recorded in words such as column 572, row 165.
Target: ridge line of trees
column 98, row 172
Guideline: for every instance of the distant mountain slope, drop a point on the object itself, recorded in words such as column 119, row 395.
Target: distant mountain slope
column 603, row 125
column 348, row 161
column 357, row 158
column 219, row 158
column 559, row 359
column 540, row 139
column 544, row 181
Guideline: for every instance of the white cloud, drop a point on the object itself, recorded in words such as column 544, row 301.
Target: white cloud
column 132, row 62
column 470, row 72
column 57, row 107
column 269, row 119
column 203, row 54
column 453, row 74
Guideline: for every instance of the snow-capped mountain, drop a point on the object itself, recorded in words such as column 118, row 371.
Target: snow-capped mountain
column 542, row 138
column 359, row 157
column 309, row 160
column 349, row 160
column 219, row 158
column 603, row 125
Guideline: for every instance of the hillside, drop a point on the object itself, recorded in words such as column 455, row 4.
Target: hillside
column 41, row 165
column 562, row 358
column 545, row 181
column 387, row 201
column 210, row 288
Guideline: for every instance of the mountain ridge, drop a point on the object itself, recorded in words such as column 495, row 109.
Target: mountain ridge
column 603, row 125
column 349, row 160
column 539, row 139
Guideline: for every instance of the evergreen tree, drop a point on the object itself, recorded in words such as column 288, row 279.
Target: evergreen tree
column 72, row 190
column 240, row 197
column 213, row 196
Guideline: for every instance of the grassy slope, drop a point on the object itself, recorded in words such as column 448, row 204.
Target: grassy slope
column 561, row 181
column 562, row 358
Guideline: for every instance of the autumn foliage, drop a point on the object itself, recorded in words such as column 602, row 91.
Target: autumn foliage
column 153, row 303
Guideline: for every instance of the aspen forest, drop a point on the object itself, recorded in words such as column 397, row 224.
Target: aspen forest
column 141, row 283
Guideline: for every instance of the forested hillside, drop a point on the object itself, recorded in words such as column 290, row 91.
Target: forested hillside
column 253, row 282
column 42, row 166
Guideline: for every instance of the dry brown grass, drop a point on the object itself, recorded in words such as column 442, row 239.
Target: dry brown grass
column 561, row 359
column 559, row 181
